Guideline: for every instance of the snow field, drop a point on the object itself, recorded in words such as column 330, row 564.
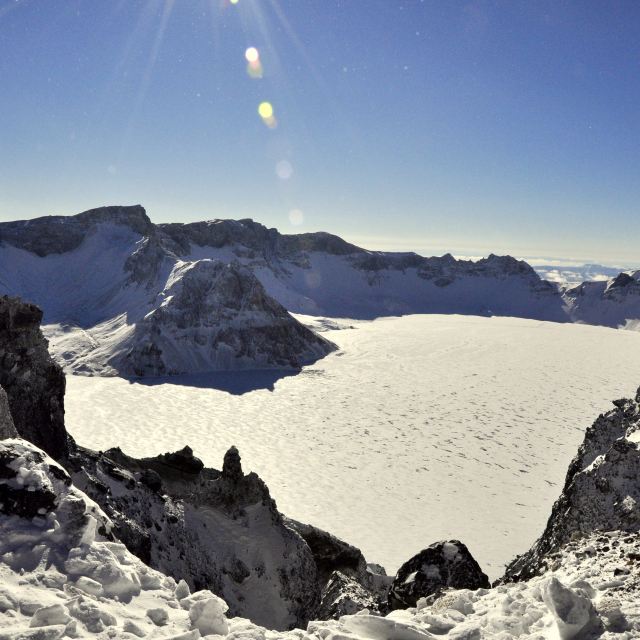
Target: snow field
column 420, row 428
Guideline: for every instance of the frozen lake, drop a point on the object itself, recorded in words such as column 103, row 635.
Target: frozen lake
column 419, row 428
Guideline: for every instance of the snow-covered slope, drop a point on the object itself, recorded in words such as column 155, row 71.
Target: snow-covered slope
column 613, row 303
column 321, row 274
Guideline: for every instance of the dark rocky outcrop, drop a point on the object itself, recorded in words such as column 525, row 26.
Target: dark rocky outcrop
column 7, row 428
column 217, row 530
column 343, row 595
column 33, row 382
column 442, row 565
column 347, row 583
column 601, row 490
column 329, row 552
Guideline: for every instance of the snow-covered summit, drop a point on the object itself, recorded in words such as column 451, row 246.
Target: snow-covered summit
column 117, row 299
column 614, row 302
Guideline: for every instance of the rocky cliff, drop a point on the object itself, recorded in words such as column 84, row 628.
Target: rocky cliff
column 33, row 382
column 601, row 491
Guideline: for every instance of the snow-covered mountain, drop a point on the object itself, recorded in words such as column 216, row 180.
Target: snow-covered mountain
column 613, row 303
column 121, row 295
column 119, row 300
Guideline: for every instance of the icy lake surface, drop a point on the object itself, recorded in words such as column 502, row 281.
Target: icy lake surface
column 419, row 428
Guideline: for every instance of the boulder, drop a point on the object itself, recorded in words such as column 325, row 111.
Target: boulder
column 442, row 565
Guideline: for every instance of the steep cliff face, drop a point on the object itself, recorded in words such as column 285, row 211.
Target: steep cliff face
column 33, row 382
column 7, row 428
column 601, row 491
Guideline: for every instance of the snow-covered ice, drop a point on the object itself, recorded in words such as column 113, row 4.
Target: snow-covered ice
column 418, row 429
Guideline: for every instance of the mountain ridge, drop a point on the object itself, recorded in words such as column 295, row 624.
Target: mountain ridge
column 106, row 278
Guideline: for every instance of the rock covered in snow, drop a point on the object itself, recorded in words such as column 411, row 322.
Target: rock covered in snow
column 33, row 382
column 442, row 565
column 63, row 576
column 218, row 531
column 601, row 491
column 343, row 595
column 216, row 316
column 574, row 613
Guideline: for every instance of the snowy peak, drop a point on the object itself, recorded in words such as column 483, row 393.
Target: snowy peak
column 215, row 316
column 60, row 234
column 614, row 302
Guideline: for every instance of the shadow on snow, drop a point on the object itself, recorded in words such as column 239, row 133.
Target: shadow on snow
column 234, row 382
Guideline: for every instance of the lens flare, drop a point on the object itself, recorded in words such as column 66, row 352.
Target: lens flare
column 252, row 55
column 254, row 70
column 284, row 170
column 234, row 1
column 265, row 109
column 296, row 217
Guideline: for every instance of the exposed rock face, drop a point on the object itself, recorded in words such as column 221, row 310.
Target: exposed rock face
column 601, row 491
column 216, row 530
column 347, row 583
column 33, row 382
column 442, row 565
column 7, row 428
column 216, row 316
column 60, row 234
column 343, row 596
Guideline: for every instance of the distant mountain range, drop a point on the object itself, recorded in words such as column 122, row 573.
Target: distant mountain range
column 122, row 295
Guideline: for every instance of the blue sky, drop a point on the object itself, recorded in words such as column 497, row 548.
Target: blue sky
column 434, row 126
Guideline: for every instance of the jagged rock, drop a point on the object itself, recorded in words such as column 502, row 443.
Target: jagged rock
column 7, row 428
column 330, row 553
column 348, row 584
column 33, row 382
column 342, row 596
column 601, row 490
column 442, row 565
column 215, row 530
column 182, row 462
column 231, row 466
column 216, row 316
